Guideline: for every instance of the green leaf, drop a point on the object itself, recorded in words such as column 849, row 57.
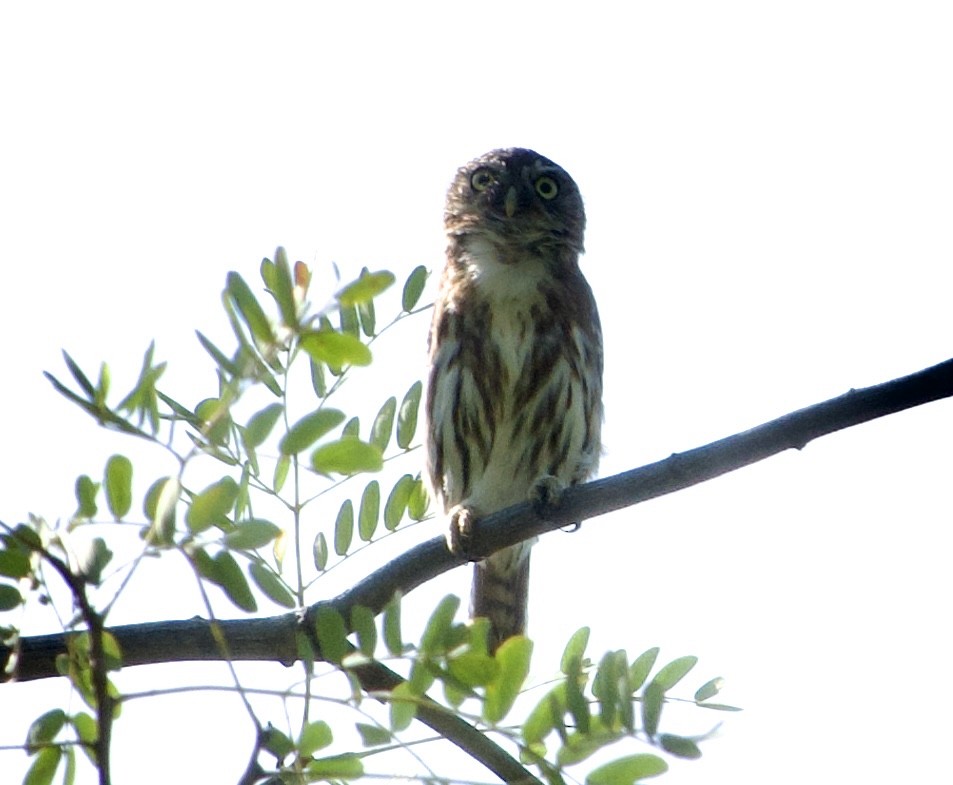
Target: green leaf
column 261, row 424
column 87, row 732
column 403, row 706
column 276, row 742
column 92, row 558
column 368, row 317
column 249, row 308
column 221, row 360
column 319, row 550
column 232, row 580
column 348, row 455
column 216, row 421
column 118, row 484
column 384, row 424
column 352, row 428
column 314, row 736
column 653, row 697
column 627, row 770
column 362, row 622
column 719, row 707
column 673, row 673
column 679, row 746
column 69, row 768
column 204, row 564
column 10, row 597
column 453, row 694
column 474, row 669
column 418, row 501
column 14, row 563
column 317, row 378
column 336, row 349
column 434, row 639
column 392, row 634
column 350, row 324
column 421, row 677
column 371, row 735
column 212, row 505
column 709, row 689
column 407, row 417
column 86, row 491
column 143, row 397
column 44, row 729
column 309, row 429
column 268, row 273
column 282, row 287
column 251, row 534
column 282, row 466
column 579, row 746
column 44, row 766
column 346, row 766
column 332, row 634
column 271, row 585
column 641, row 667
column 102, row 384
column 413, row 287
column 605, row 686
column 513, row 657
column 546, row 715
column 344, row 528
column 242, row 508
column 574, row 651
column 24, row 536
column 365, row 288
column 575, row 700
column 159, row 507
column 397, row 501
column 112, row 654
column 370, row 511
column 180, row 412
column 81, row 379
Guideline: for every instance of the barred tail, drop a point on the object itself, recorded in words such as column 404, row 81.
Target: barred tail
column 500, row 592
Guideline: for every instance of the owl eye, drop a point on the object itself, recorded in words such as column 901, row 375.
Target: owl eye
column 482, row 179
column 547, row 187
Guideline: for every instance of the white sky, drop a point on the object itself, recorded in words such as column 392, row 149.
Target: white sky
column 769, row 196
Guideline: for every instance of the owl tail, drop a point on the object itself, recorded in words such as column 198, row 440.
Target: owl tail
column 500, row 592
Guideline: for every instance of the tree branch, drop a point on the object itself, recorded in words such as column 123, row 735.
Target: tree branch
column 680, row 471
column 274, row 638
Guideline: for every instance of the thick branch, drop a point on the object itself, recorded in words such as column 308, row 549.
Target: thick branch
column 680, row 471
column 274, row 638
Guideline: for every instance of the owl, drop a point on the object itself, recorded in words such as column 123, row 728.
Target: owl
column 514, row 403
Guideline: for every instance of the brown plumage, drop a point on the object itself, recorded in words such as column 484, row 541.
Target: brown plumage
column 514, row 404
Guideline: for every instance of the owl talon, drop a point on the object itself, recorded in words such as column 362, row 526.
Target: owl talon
column 460, row 532
column 546, row 492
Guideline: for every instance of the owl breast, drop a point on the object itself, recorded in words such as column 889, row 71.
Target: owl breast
column 506, row 391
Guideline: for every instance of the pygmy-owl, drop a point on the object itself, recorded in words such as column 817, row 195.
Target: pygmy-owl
column 514, row 404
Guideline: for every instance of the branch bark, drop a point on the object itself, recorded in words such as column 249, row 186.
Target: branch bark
column 274, row 638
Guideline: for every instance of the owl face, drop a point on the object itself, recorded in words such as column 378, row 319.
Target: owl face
column 517, row 199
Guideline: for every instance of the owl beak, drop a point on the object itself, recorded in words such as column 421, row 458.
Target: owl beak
column 509, row 203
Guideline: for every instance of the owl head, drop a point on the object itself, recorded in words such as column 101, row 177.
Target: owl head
column 517, row 199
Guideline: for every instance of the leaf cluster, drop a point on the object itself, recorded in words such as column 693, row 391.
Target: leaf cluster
column 263, row 500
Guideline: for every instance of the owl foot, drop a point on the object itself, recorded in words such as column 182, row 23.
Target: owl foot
column 460, row 532
column 546, row 493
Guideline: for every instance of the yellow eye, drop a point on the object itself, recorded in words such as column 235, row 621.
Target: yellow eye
column 482, row 179
column 547, row 187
